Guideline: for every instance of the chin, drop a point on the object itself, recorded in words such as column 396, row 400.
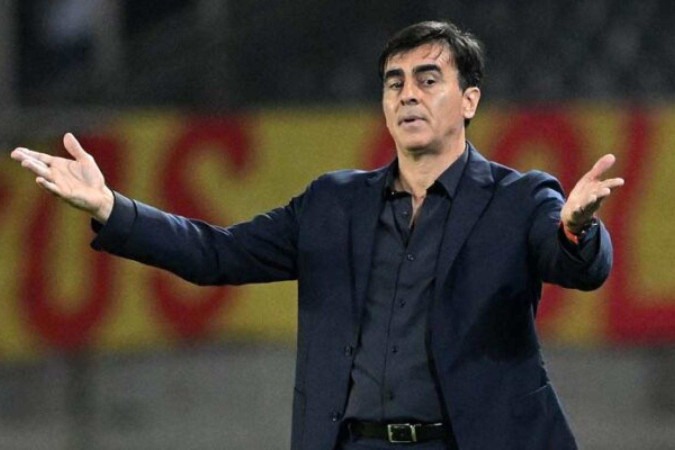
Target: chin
column 412, row 143
column 416, row 146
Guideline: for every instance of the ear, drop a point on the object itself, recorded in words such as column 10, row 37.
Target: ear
column 470, row 100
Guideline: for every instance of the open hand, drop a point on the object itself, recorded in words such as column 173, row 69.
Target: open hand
column 78, row 181
column 588, row 194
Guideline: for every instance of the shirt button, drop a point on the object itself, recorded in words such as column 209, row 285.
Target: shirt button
column 335, row 416
column 390, row 395
column 394, row 349
column 405, row 213
column 401, row 303
column 348, row 350
column 410, row 257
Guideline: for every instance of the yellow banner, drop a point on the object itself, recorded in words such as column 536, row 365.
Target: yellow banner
column 60, row 294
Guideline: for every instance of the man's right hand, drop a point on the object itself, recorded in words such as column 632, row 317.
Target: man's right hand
column 78, row 181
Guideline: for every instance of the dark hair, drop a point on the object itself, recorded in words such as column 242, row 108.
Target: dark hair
column 466, row 49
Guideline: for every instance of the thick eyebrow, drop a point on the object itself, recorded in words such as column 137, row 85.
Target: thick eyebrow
column 417, row 70
column 392, row 74
column 426, row 68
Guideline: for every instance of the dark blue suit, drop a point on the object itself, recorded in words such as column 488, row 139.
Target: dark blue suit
column 501, row 242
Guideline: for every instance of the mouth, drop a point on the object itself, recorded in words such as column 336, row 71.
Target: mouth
column 409, row 120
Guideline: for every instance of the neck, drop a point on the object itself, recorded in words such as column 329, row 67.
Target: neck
column 419, row 170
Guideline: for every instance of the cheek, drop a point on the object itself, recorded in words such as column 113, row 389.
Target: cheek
column 449, row 105
column 389, row 114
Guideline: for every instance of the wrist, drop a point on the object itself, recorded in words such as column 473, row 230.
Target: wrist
column 577, row 231
column 102, row 213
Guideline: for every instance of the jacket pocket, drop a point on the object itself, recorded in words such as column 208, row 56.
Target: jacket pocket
column 535, row 403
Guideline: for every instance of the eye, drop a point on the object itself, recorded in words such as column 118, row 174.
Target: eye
column 428, row 81
column 394, row 84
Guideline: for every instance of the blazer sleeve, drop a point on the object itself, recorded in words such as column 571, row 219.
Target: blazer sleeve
column 261, row 250
column 584, row 266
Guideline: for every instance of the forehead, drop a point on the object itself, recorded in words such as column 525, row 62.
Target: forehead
column 430, row 53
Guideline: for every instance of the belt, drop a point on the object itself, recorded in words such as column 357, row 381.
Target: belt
column 399, row 433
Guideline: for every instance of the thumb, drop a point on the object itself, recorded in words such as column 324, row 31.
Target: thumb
column 73, row 147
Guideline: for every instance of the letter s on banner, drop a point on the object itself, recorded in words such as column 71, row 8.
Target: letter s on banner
column 191, row 318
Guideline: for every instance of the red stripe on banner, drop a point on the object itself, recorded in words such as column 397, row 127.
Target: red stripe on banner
column 59, row 329
column 228, row 138
column 632, row 317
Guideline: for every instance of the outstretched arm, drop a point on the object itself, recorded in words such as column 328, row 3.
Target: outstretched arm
column 261, row 250
column 78, row 181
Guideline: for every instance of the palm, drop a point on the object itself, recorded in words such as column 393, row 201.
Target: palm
column 78, row 181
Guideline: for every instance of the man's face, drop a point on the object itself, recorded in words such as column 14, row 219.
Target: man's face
column 423, row 104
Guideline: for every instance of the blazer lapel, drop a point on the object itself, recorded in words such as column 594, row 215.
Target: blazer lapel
column 367, row 204
column 474, row 194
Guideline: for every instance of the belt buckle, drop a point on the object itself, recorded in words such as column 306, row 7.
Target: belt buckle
column 401, row 433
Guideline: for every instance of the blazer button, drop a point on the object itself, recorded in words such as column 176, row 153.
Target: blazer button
column 335, row 416
column 349, row 350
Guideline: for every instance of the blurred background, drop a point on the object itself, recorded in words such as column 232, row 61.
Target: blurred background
column 220, row 110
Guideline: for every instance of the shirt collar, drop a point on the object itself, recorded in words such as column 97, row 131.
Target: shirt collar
column 447, row 181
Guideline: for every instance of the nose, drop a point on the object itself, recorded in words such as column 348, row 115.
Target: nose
column 409, row 94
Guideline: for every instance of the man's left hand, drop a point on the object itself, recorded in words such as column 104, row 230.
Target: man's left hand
column 588, row 194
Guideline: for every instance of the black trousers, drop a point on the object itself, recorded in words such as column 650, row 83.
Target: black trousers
column 377, row 444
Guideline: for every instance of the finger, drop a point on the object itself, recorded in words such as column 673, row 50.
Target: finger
column 20, row 154
column 601, row 166
column 612, row 183
column 37, row 167
column 594, row 202
column 605, row 191
column 73, row 147
column 49, row 186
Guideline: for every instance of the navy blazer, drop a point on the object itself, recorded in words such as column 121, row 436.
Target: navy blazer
column 502, row 240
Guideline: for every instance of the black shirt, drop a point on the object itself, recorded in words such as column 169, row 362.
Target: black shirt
column 392, row 376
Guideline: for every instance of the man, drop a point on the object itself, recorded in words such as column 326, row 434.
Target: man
column 418, row 282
